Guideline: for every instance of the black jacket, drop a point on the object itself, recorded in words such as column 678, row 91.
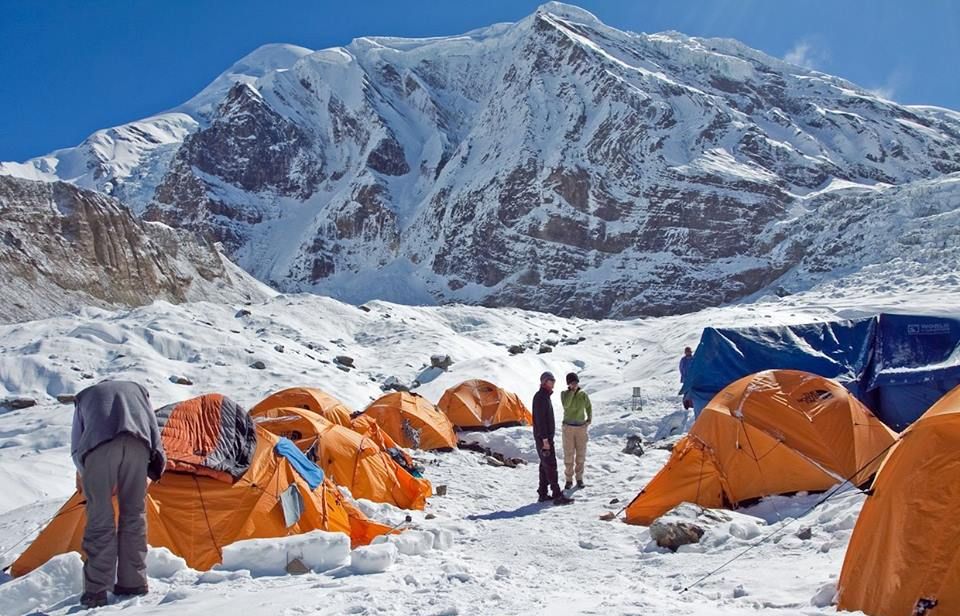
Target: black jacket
column 544, row 425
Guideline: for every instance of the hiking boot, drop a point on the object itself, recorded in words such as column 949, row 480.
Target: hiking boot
column 93, row 599
column 568, row 485
column 562, row 500
column 542, row 498
column 135, row 591
column 580, row 484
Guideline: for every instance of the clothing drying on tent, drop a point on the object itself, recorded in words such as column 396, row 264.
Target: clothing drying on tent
column 481, row 405
column 412, row 421
column 904, row 554
column 348, row 458
column 207, row 435
column 898, row 365
column 775, row 432
column 316, row 400
column 195, row 511
column 368, row 427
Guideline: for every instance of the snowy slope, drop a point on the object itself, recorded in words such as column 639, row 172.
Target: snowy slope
column 508, row 555
column 555, row 163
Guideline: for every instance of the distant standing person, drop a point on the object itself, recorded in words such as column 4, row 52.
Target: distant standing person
column 544, row 430
column 577, row 415
column 116, row 446
column 685, row 362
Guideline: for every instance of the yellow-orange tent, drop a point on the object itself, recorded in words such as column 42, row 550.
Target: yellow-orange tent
column 774, row 432
column 368, row 427
column 311, row 399
column 481, row 405
column 350, row 459
column 195, row 516
column 905, row 550
column 412, row 421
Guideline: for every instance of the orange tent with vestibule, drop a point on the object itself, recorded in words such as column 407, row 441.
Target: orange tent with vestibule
column 350, row 459
column 412, row 421
column 774, row 432
column 481, row 405
column 904, row 554
column 195, row 514
column 309, row 398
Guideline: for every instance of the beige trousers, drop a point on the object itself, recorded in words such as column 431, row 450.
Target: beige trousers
column 574, row 451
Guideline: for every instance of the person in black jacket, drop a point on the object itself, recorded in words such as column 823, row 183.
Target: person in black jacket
column 544, row 429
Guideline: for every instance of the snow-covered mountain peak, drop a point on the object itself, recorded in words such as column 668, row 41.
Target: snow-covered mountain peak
column 556, row 163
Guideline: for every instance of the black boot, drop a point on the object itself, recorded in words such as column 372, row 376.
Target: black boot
column 130, row 590
column 93, row 599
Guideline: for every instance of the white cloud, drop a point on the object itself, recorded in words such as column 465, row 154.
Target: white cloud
column 894, row 82
column 805, row 54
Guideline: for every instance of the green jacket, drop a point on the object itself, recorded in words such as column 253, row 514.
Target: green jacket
column 576, row 406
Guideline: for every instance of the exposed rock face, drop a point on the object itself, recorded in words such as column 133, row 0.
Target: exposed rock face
column 556, row 164
column 62, row 247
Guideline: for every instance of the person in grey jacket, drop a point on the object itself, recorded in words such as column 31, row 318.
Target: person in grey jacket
column 116, row 447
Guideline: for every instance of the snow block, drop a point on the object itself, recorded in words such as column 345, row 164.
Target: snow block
column 373, row 558
column 58, row 578
column 442, row 538
column 162, row 563
column 409, row 543
column 318, row 550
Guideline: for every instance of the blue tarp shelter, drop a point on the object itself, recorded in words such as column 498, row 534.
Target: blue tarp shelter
column 898, row 365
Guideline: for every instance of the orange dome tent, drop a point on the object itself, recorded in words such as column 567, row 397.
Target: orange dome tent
column 348, row 458
column 316, row 400
column 412, row 421
column 196, row 514
column 481, row 405
column 774, row 432
column 904, row 555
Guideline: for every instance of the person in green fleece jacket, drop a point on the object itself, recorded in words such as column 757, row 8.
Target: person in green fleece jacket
column 577, row 415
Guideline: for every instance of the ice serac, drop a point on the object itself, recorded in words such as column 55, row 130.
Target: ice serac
column 62, row 247
column 555, row 163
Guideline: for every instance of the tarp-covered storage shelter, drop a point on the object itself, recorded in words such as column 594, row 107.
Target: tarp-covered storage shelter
column 311, row 399
column 904, row 554
column 775, row 432
column 348, row 458
column 195, row 514
column 412, row 421
column 481, row 405
column 897, row 365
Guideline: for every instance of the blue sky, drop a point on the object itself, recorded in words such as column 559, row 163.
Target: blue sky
column 72, row 67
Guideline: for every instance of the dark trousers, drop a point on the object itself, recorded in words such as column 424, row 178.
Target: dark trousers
column 116, row 548
column 548, row 470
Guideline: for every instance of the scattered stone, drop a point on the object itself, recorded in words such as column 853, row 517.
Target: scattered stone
column 429, row 516
column 18, row 403
column 516, row 349
column 581, row 338
column 551, row 342
column 365, row 308
column 501, row 460
column 180, row 380
column 342, row 367
column 739, row 592
column 614, row 501
column 684, row 524
column 344, row 360
column 66, row 398
column 805, row 533
column 296, row 567
column 258, row 365
column 441, row 361
column 608, row 516
column 278, row 348
column 491, row 461
column 545, row 349
column 634, row 446
column 554, row 331
column 243, row 312
column 441, row 490
column 392, row 383
column 86, row 375
column 249, row 351
column 673, row 534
